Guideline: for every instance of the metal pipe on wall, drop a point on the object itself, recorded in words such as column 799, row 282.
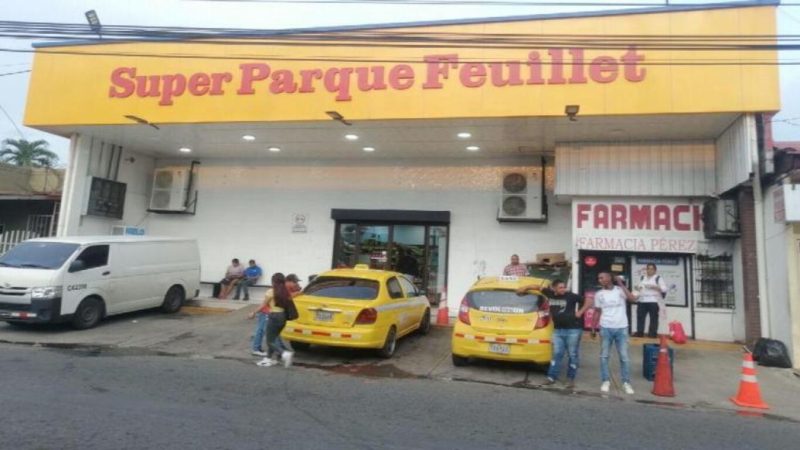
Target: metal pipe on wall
column 761, row 255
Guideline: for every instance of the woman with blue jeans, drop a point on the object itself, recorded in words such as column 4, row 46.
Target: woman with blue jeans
column 610, row 312
column 276, row 321
column 262, row 316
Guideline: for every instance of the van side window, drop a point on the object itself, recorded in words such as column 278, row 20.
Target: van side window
column 394, row 288
column 94, row 256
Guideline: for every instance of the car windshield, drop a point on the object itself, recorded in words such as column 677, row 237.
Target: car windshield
column 38, row 255
column 343, row 287
column 504, row 301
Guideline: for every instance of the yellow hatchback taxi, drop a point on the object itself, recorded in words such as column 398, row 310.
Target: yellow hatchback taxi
column 494, row 322
column 359, row 308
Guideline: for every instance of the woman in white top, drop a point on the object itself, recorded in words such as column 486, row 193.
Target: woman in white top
column 651, row 291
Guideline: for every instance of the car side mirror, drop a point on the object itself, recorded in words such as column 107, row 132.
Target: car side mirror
column 76, row 266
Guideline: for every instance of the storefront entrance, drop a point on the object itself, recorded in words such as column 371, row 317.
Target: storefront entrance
column 415, row 249
column 675, row 269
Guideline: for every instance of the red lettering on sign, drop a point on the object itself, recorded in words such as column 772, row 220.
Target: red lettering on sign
column 472, row 75
column 603, row 69
column 122, row 85
column 618, row 216
column 600, row 216
column 438, row 67
column 582, row 213
column 250, row 74
column 661, row 218
column 401, row 77
column 676, row 218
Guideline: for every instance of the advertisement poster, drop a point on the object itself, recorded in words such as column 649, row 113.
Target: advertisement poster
column 672, row 271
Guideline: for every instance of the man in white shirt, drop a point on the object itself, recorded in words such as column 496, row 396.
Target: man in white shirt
column 651, row 291
column 609, row 302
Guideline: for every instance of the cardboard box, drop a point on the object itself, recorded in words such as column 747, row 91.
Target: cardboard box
column 551, row 258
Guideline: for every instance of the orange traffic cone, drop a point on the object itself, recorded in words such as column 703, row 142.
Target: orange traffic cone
column 443, row 315
column 749, row 394
column 663, row 386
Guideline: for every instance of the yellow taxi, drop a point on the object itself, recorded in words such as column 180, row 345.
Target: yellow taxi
column 359, row 308
column 495, row 322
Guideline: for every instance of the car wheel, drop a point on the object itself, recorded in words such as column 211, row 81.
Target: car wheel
column 390, row 345
column 425, row 323
column 302, row 346
column 173, row 300
column 460, row 361
column 88, row 314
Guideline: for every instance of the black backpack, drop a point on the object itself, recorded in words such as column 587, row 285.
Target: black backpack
column 658, row 281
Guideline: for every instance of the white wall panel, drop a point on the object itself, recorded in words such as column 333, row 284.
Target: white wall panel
column 653, row 169
column 734, row 150
column 245, row 208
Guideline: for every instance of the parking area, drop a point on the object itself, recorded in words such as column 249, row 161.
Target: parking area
column 706, row 374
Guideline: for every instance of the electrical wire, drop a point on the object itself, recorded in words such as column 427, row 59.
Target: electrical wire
column 14, row 73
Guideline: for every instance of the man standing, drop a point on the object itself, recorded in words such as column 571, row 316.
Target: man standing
column 251, row 276
column 652, row 290
column 515, row 268
column 609, row 302
column 233, row 275
column 566, row 310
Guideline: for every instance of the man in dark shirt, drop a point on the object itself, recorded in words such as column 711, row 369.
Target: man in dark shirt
column 566, row 311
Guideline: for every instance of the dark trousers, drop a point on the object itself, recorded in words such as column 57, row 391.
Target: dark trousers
column 275, row 324
column 643, row 310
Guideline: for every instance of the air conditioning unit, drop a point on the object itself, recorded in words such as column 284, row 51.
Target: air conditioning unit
column 124, row 230
column 523, row 197
column 170, row 190
column 720, row 219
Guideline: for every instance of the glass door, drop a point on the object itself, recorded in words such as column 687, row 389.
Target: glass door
column 417, row 250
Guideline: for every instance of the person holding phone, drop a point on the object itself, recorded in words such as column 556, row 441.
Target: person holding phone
column 652, row 290
column 609, row 303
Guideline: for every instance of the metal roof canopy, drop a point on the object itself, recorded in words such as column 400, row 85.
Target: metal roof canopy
column 419, row 139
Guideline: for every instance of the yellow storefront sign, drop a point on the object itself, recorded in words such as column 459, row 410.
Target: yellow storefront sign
column 298, row 78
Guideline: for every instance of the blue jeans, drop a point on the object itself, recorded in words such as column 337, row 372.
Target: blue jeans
column 244, row 285
column 565, row 340
column 618, row 336
column 275, row 324
column 258, row 333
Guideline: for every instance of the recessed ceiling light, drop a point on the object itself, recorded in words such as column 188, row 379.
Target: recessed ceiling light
column 369, row 149
column 249, row 137
column 351, row 137
column 473, row 148
column 464, row 135
column 185, row 150
column 274, row 149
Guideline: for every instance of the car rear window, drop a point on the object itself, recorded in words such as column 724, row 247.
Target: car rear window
column 343, row 287
column 504, row 301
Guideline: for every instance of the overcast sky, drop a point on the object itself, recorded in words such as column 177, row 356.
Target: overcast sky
column 259, row 15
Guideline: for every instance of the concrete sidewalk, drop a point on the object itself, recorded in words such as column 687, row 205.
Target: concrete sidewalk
column 706, row 374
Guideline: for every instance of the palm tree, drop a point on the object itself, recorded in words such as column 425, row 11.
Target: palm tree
column 22, row 152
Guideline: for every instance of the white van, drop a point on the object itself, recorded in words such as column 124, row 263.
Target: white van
column 85, row 278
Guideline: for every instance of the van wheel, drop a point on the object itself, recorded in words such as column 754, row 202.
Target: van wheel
column 88, row 314
column 460, row 361
column 390, row 345
column 425, row 323
column 173, row 300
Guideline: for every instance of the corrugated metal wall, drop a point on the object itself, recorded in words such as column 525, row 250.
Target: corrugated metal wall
column 733, row 153
column 674, row 169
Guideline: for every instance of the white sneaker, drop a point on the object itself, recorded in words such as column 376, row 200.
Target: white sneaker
column 258, row 353
column 605, row 387
column 266, row 362
column 628, row 388
column 287, row 359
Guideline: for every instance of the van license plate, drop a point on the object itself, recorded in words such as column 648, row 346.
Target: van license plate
column 323, row 316
column 503, row 349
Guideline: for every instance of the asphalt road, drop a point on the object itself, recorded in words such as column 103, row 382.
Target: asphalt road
column 79, row 399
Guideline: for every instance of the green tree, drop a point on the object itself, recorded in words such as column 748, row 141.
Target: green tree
column 22, row 152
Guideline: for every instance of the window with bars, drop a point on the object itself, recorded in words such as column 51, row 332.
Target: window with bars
column 713, row 277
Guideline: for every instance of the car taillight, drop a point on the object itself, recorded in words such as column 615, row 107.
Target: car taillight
column 367, row 316
column 544, row 316
column 463, row 312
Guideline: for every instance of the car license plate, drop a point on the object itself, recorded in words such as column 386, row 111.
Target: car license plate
column 503, row 349
column 323, row 316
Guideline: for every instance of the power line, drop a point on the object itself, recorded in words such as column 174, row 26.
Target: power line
column 8, row 116
column 14, row 73
column 390, row 61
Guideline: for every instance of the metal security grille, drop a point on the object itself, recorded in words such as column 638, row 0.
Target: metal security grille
column 714, row 281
